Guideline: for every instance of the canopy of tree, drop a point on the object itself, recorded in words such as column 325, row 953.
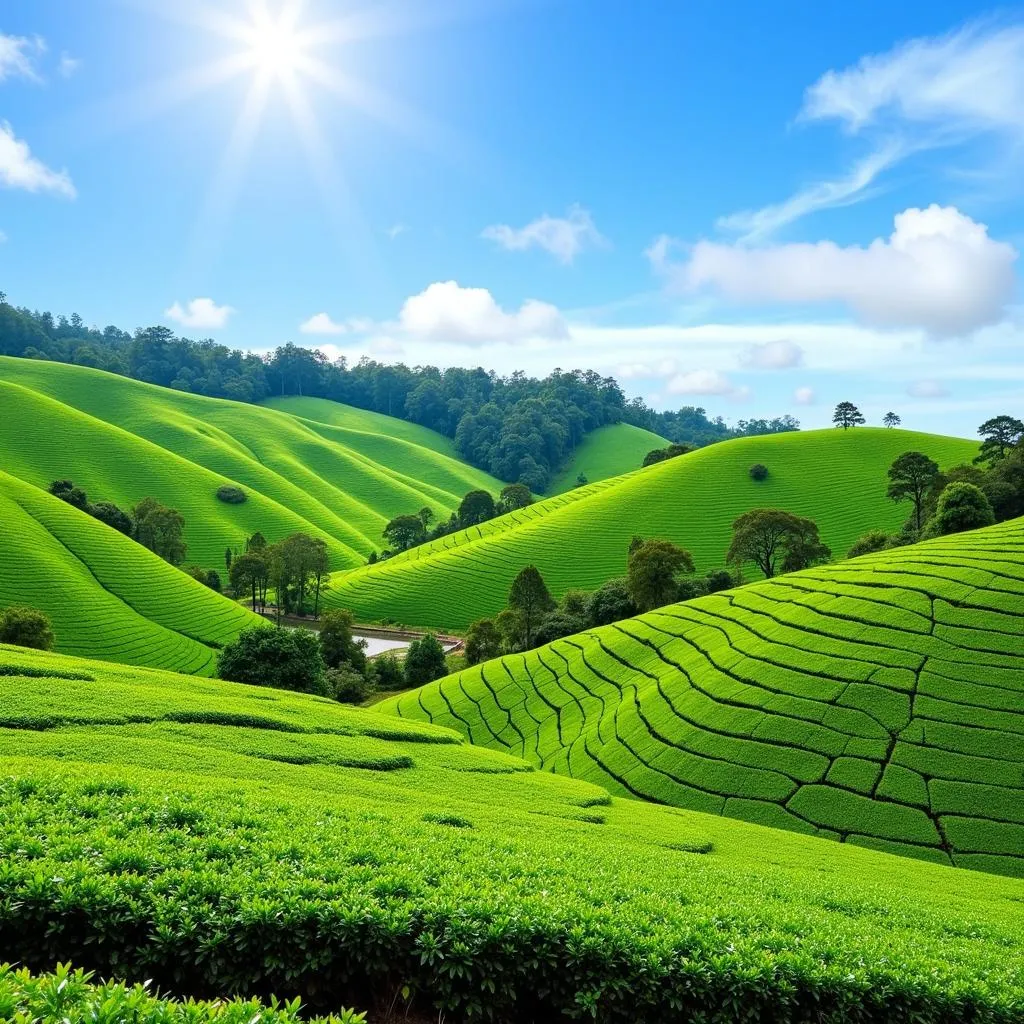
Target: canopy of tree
column 25, row 627
column 775, row 541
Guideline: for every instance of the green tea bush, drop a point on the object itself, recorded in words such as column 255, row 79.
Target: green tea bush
column 231, row 495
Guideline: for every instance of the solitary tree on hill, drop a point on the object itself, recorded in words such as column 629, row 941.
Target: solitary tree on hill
column 891, row 419
column 1001, row 433
column 530, row 597
column 775, row 541
column 847, row 415
column 910, row 477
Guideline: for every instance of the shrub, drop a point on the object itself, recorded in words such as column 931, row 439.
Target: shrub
column 348, row 685
column 610, row 603
column 387, row 673
column 107, row 512
column 231, row 494
column 26, row 627
column 288, row 659
column 962, row 506
column 758, row 471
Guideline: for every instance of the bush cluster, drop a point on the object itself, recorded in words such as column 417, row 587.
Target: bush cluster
column 231, row 494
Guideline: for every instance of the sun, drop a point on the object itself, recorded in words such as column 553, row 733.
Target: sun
column 275, row 47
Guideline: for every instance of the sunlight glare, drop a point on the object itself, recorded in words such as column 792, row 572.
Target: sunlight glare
column 276, row 48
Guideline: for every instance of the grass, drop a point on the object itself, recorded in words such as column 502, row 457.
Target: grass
column 107, row 596
column 879, row 702
column 605, row 452
column 123, row 440
column 580, row 539
column 227, row 841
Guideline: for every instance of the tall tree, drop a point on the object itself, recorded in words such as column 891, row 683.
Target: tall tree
column 530, row 597
column 424, row 661
column 1001, row 433
column 249, row 572
column 514, row 496
column 161, row 529
column 652, row 573
column 475, row 508
column 337, row 644
column 890, row 419
column 775, row 540
column 847, row 415
column 404, row 532
column 910, row 477
column 483, row 642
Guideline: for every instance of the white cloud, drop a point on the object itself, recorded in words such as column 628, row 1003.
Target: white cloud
column 17, row 57
column 321, row 323
column 927, row 389
column 705, row 382
column 772, row 355
column 804, row 396
column 447, row 312
column 68, row 65
column 564, row 237
column 20, row 169
column 200, row 314
column 938, row 270
column 970, row 80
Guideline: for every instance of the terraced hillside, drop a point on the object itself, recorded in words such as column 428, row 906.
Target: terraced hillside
column 580, row 539
column 606, row 452
column 107, row 596
column 225, row 840
column 879, row 701
column 123, row 440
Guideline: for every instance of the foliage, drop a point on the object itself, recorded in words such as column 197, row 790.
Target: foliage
column 759, row 471
column 672, row 451
column 347, row 684
column 890, row 420
column 530, row 597
column 475, row 508
column 287, row 659
column 208, row 577
column 911, row 476
column 483, row 641
column 873, row 540
column 775, row 540
column 556, row 625
column 404, row 532
column 231, row 495
column 652, row 571
column 160, row 529
column 513, row 497
column 847, row 415
column 26, row 627
column 961, row 506
column 875, row 701
column 337, row 644
column 107, row 512
column 1000, row 434
column 67, row 491
column 610, row 602
column 250, row 573
column 424, row 661
column 387, row 672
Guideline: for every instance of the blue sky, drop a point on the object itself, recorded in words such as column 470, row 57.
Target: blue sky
column 755, row 208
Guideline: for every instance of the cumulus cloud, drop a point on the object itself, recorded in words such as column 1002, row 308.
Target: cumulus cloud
column 447, row 312
column 321, row 323
column 938, row 270
column 927, row 389
column 705, row 382
column 564, row 237
column 200, row 314
column 18, row 55
column 804, row 396
column 772, row 355
column 20, row 169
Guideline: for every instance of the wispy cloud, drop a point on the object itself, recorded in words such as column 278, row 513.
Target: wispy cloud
column 20, row 169
column 18, row 55
column 200, row 314
column 395, row 230
column 564, row 237
column 927, row 93
column 68, row 65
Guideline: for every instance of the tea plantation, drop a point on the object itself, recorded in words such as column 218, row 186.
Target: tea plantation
column 217, row 840
column 879, row 701
column 107, row 596
column 580, row 539
column 122, row 440
column 605, row 452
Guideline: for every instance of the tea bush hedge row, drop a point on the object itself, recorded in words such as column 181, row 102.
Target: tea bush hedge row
column 877, row 700
column 606, row 452
column 233, row 842
column 580, row 539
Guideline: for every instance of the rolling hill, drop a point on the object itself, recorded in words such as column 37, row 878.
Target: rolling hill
column 223, row 840
column 606, row 452
column 879, row 701
column 123, row 440
column 580, row 539
column 107, row 596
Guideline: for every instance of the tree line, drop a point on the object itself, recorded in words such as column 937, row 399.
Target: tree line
column 520, row 429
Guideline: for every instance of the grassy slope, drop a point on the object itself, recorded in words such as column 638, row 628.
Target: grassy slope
column 107, row 596
column 580, row 539
column 880, row 700
column 605, row 452
column 122, row 440
column 168, row 799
